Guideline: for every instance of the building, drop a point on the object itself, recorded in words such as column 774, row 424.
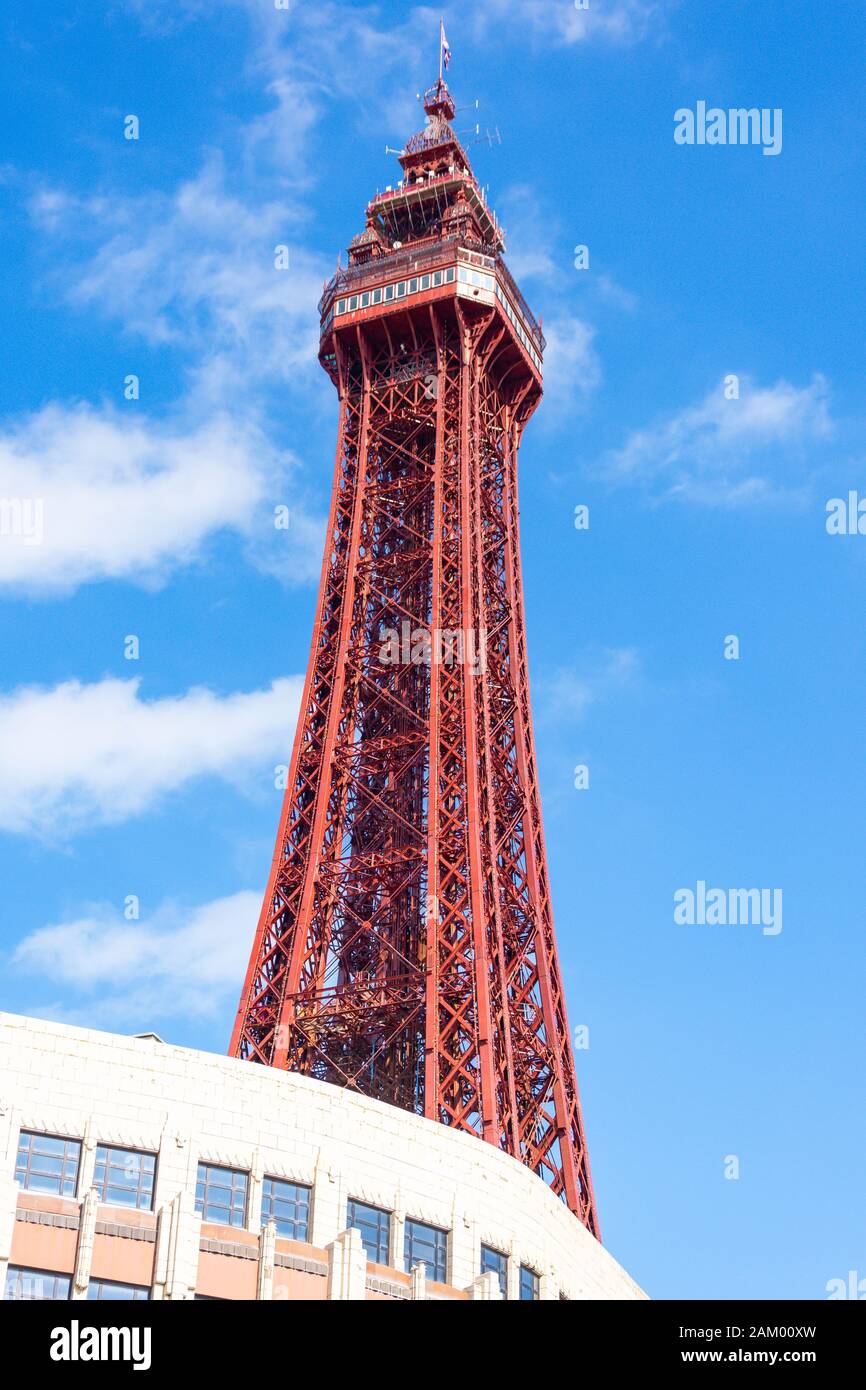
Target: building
column 130, row 1168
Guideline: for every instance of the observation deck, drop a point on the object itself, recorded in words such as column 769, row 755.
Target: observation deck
column 430, row 238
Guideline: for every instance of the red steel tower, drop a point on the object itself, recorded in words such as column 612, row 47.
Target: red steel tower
column 405, row 946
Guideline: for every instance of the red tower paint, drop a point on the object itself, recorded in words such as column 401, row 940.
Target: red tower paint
column 405, row 946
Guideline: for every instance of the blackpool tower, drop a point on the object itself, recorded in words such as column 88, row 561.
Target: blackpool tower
column 405, row 947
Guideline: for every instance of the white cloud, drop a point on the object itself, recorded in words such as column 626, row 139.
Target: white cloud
column 73, row 756
column 376, row 67
column 175, row 963
column 726, row 452
column 560, row 21
column 95, row 494
column 377, row 61
column 569, row 692
column 118, row 498
column 327, row 47
column 612, row 292
column 572, row 370
column 530, row 234
column 196, row 268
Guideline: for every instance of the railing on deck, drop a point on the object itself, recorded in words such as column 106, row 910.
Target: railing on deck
column 350, row 279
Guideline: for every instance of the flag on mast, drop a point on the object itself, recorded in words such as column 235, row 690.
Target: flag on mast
column 444, row 49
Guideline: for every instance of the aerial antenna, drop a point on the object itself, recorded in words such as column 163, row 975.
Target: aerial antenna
column 490, row 137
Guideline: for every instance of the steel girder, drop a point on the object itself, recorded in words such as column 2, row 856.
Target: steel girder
column 406, row 946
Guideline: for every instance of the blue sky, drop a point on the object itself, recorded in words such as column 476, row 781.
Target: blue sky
column 154, row 777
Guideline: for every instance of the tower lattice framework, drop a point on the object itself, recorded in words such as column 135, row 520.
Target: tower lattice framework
column 405, row 946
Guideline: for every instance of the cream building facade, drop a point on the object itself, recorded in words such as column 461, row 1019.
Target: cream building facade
column 133, row 1168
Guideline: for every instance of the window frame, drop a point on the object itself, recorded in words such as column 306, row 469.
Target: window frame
column 203, row 1208
column 352, row 1205
column 14, row 1271
column 308, row 1210
column 437, row 1270
column 139, row 1190
column 135, row 1290
column 498, row 1265
column 26, row 1171
column 534, row 1282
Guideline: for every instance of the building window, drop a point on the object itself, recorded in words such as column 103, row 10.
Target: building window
column 401, row 289
column 221, row 1195
column 425, row 282
column 413, row 286
column 36, row 1284
column 375, row 1227
column 494, row 1262
column 528, row 1283
column 124, row 1177
column 288, row 1204
column 353, row 303
column 341, row 306
column 389, row 292
column 128, row 1293
column 47, row 1164
column 377, row 296
column 427, row 1244
column 449, row 274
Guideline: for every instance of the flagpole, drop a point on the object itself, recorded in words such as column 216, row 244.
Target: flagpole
column 441, row 32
